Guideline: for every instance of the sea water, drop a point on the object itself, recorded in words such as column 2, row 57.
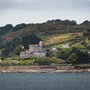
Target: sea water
column 44, row 81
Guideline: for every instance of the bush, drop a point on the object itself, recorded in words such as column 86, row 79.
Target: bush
column 86, row 33
column 45, row 61
column 27, row 58
column 26, row 62
column 83, row 57
column 5, row 63
column 18, row 50
column 72, row 58
column 63, row 54
column 11, row 58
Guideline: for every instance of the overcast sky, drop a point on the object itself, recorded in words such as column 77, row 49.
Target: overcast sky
column 37, row 11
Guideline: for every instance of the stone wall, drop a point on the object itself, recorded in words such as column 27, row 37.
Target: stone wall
column 33, row 48
column 45, row 68
column 39, row 54
column 65, row 67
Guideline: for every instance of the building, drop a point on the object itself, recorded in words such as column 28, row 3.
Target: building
column 0, row 60
column 34, row 51
column 66, row 46
column 53, row 49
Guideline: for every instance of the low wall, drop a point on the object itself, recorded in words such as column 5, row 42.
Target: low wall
column 24, row 69
column 65, row 67
column 44, row 68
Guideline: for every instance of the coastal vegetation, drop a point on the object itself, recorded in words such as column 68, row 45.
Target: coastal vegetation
column 53, row 33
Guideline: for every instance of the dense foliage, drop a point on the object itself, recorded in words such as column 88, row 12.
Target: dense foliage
column 6, row 29
column 30, row 39
column 18, row 50
column 63, row 54
column 74, row 55
column 86, row 33
column 10, row 28
column 45, row 61
column 72, row 58
column 83, row 57
column 16, row 44
column 11, row 37
column 10, row 46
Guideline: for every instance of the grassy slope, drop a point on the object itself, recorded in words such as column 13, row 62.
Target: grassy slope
column 61, row 38
column 57, row 40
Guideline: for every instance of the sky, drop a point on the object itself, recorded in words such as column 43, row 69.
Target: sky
column 38, row 11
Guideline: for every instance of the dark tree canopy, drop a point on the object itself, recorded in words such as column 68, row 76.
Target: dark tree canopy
column 72, row 58
column 63, row 54
column 10, row 46
column 86, row 22
column 86, row 33
column 83, row 57
column 5, row 29
column 30, row 39
column 19, row 26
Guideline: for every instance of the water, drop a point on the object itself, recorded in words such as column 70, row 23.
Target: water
column 44, row 81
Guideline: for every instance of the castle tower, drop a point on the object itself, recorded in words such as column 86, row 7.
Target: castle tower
column 40, row 43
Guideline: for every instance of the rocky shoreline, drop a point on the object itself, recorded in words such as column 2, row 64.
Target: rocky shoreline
column 44, row 71
column 41, row 69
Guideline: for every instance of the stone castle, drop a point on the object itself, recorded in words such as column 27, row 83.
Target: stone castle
column 34, row 51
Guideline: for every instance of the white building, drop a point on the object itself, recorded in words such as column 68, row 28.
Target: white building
column 0, row 60
column 66, row 46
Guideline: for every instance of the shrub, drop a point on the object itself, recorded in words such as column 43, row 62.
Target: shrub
column 72, row 58
column 83, row 57
column 63, row 54
column 86, row 33
column 26, row 62
column 11, row 58
column 5, row 63
column 45, row 61
column 18, row 50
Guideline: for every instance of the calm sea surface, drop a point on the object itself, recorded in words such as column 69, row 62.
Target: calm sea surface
column 44, row 81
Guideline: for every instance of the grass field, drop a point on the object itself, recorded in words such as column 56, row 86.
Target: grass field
column 60, row 38
column 78, row 45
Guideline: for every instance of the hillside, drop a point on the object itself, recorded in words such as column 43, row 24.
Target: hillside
column 73, row 39
column 53, row 33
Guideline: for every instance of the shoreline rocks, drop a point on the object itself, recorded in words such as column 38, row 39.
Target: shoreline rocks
column 41, row 69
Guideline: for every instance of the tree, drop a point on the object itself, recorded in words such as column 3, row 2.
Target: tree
column 10, row 46
column 19, row 27
column 83, row 57
column 86, row 22
column 72, row 58
column 6, row 29
column 86, row 33
column 30, row 39
column 63, row 54
column 18, row 50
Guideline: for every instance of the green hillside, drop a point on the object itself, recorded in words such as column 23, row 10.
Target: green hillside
column 54, row 33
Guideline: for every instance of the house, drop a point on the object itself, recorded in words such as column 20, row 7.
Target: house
column 53, row 49
column 34, row 51
column 0, row 60
column 66, row 46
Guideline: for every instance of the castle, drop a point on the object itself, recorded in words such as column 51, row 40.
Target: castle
column 34, row 51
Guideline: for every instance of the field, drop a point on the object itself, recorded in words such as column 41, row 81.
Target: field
column 58, row 40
